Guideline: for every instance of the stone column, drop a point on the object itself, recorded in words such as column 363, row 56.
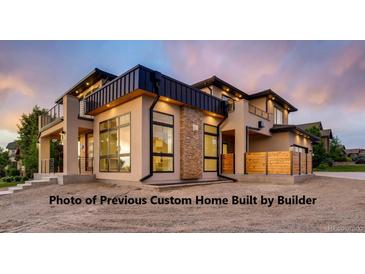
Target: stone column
column 71, row 112
column 191, row 143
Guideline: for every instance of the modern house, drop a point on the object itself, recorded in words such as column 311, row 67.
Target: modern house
column 326, row 134
column 146, row 126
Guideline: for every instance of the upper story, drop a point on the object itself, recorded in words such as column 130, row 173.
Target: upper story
column 100, row 91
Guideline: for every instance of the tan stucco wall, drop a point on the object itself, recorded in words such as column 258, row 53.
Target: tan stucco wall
column 259, row 103
column 137, row 144
column 280, row 141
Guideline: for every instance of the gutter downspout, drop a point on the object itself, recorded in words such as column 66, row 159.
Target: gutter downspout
column 157, row 79
column 219, row 154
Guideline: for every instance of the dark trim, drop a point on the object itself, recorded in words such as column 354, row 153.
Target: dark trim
column 269, row 94
column 142, row 78
column 294, row 129
column 118, row 155
column 150, row 174
column 210, row 157
column 219, row 175
column 161, row 154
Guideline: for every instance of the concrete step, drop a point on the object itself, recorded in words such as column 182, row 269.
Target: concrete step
column 5, row 192
column 25, row 185
column 15, row 188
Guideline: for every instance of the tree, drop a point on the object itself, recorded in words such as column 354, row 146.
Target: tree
column 4, row 161
column 319, row 153
column 28, row 138
column 337, row 152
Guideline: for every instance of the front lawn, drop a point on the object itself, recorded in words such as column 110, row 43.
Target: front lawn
column 7, row 184
column 352, row 168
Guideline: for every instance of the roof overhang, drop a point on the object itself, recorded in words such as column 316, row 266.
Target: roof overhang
column 90, row 79
column 215, row 81
column 294, row 129
column 274, row 97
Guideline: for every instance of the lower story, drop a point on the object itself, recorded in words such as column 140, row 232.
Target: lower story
column 153, row 139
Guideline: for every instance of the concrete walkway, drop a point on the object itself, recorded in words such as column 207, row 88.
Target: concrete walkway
column 345, row 175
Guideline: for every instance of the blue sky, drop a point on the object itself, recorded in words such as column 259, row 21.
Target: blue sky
column 325, row 80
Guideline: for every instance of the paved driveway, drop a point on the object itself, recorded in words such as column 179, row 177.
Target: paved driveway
column 345, row 175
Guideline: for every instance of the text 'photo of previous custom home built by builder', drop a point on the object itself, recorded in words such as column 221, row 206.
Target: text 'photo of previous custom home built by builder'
column 143, row 126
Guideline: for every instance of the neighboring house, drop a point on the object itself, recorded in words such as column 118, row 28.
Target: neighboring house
column 355, row 152
column 146, row 126
column 326, row 134
column 13, row 150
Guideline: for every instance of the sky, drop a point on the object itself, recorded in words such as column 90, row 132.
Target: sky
column 325, row 80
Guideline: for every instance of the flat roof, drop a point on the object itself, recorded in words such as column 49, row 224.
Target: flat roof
column 276, row 97
column 294, row 129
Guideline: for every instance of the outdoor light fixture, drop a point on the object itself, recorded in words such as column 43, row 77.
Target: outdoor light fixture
column 87, row 83
column 108, row 105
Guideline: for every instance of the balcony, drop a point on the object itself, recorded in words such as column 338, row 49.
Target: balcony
column 51, row 117
column 259, row 112
column 56, row 113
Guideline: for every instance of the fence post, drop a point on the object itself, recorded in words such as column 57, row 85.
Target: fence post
column 267, row 163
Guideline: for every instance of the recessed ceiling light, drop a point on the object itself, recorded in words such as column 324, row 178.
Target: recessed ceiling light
column 87, row 83
column 108, row 105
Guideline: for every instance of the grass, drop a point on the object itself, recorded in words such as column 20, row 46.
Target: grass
column 353, row 168
column 7, row 184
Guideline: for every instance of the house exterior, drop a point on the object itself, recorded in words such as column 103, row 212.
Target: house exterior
column 146, row 126
column 355, row 152
column 326, row 134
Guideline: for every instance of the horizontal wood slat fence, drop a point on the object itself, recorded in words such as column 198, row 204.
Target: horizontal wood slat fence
column 278, row 162
column 228, row 163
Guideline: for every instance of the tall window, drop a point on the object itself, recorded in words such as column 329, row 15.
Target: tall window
column 115, row 144
column 210, row 148
column 278, row 116
column 163, row 142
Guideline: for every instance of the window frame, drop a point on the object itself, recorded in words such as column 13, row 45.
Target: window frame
column 161, row 154
column 108, row 156
column 277, row 108
column 210, row 157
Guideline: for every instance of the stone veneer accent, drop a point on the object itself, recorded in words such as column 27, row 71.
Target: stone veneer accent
column 191, row 143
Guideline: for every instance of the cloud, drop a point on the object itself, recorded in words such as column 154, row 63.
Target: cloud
column 324, row 79
column 10, row 84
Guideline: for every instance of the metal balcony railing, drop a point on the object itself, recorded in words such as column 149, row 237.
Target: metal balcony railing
column 259, row 112
column 53, row 114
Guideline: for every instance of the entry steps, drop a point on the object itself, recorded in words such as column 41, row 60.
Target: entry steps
column 29, row 183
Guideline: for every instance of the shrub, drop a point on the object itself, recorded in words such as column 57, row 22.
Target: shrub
column 323, row 166
column 12, row 171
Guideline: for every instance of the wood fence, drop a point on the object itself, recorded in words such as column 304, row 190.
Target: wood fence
column 228, row 163
column 278, row 162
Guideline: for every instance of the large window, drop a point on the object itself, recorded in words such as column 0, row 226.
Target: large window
column 163, row 142
column 278, row 116
column 115, row 144
column 210, row 148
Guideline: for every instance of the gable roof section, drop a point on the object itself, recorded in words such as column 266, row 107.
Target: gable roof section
column 310, row 125
column 293, row 129
column 215, row 81
column 12, row 146
column 90, row 79
column 327, row 133
column 275, row 97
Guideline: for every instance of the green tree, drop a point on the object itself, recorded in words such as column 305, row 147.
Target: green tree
column 4, row 161
column 319, row 153
column 28, row 138
column 337, row 152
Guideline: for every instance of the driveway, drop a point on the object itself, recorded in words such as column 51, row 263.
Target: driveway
column 344, row 175
column 339, row 207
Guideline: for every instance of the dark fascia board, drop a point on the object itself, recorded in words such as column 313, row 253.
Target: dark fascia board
column 293, row 129
column 97, row 73
column 215, row 81
column 270, row 93
column 169, row 87
column 312, row 124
